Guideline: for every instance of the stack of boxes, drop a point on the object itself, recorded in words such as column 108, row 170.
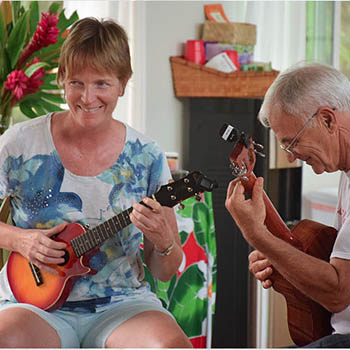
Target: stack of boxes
column 240, row 37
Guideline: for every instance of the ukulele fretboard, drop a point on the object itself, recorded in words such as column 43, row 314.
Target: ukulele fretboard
column 94, row 237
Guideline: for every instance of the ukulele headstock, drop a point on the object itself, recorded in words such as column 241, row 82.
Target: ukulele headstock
column 243, row 155
column 190, row 185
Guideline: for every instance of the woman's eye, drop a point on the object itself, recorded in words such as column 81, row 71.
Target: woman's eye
column 74, row 83
column 102, row 84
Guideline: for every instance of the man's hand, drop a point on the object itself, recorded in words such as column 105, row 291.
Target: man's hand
column 261, row 267
column 249, row 214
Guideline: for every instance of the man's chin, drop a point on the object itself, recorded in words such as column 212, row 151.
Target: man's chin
column 317, row 170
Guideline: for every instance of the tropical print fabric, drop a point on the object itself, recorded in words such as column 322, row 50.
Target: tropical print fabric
column 44, row 194
column 190, row 295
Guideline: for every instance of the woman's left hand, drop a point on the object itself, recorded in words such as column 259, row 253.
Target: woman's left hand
column 153, row 221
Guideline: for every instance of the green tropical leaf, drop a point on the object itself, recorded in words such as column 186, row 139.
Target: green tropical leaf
column 33, row 68
column 2, row 33
column 38, row 108
column 49, row 107
column 40, row 103
column 201, row 222
column 50, row 54
column 172, row 286
column 65, row 22
column 33, row 103
column 34, row 17
column 48, row 87
column 186, row 212
column 16, row 11
column 149, row 278
column 7, row 65
column 183, row 236
column 26, row 110
column 189, row 310
column 54, row 7
column 211, row 237
column 162, row 289
column 49, row 77
column 57, row 98
column 2, row 46
column 17, row 38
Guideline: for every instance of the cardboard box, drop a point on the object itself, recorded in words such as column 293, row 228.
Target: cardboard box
column 233, row 33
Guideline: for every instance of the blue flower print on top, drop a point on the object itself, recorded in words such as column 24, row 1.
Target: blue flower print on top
column 35, row 185
column 136, row 172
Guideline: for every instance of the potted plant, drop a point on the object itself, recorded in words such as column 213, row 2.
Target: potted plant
column 30, row 44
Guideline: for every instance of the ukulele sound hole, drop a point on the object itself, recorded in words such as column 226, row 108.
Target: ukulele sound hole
column 65, row 257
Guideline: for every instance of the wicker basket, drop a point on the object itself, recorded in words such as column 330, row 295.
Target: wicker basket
column 193, row 80
column 233, row 33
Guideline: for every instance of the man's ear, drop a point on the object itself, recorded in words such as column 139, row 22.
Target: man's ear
column 328, row 118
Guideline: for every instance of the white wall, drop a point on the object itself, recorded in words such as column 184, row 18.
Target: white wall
column 168, row 25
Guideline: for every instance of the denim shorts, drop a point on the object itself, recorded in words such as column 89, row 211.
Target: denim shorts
column 86, row 329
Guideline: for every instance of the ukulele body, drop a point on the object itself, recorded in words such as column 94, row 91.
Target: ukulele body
column 307, row 320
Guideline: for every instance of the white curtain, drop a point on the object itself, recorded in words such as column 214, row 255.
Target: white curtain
column 130, row 15
column 281, row 31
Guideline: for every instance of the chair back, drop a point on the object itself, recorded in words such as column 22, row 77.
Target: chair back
column 4, row 216
column 5, row 210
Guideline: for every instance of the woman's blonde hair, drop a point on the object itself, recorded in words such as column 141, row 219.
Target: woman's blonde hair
column 102, row 45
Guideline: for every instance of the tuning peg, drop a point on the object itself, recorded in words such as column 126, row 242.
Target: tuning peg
column 181, row 206
column 258, row 148
column 198, row 197
column 260, row 153
column 171, row 181
column 258, row 145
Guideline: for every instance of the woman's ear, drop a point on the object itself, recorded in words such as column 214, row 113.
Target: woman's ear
column 123, row 86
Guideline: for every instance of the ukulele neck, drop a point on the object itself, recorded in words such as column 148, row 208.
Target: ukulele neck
column 273, row 221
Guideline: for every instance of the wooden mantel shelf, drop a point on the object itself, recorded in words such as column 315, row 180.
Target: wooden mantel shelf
column 194, row 80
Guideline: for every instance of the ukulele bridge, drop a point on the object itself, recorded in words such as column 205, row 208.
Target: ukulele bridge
column 36, row 274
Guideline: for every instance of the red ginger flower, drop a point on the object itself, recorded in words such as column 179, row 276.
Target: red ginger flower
column 21, row 85
column 17, row 82
column 45, row 35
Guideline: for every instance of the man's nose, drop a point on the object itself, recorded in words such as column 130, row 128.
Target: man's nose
column 291, row 157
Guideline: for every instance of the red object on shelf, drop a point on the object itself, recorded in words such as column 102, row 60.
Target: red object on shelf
column 195, row 52
column 233, row 56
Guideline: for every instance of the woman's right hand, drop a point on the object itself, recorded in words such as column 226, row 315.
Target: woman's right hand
column 37, row 247
column 261, row 267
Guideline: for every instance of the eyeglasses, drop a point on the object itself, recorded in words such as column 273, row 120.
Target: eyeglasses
column 288, row 149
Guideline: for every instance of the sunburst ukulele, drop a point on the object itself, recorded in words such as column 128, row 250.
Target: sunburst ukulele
column 49, row 291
